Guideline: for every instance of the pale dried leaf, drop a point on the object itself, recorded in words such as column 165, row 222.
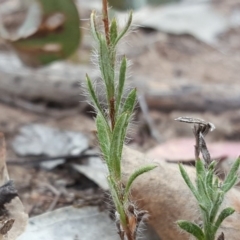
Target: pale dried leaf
column 182, row 149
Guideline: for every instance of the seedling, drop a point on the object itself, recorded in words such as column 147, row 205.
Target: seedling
column 113, row 120
column 208, row 190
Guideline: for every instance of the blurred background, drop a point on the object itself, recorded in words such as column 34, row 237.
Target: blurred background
column 185, row 58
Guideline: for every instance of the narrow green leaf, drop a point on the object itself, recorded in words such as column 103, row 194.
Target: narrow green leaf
column 191, row 228
column 231, row 177
column 113, row 31
column 209, row 183
column 123, row 32
column 227, row 186
column 130, row 101
column 201, row 186
column 212, row 165
column 216, row 205
column 200, row 168
column 209, row 178
column 188, row 182
column 224, row 214
column 116, row 199
column 122, row 78
column 203, row 208
column 106, row 67
column 216, row 183
column 93, row 95
column 136, row 174
column 93, row 26
column 104, row 136
column 118, row 137
column 202, row 191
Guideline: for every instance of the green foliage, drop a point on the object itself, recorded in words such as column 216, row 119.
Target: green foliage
column 209, row 196
column 104, row 136
column 207, row 190
column 121, row 82
column 192, row 228
column 112, row 123
column 130, row 101
column 116, row 145
column 133, row 177
column 56, row 33
column 232, row 177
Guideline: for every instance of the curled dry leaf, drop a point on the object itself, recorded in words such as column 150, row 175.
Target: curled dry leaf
column 164, row 194
column 13, row 219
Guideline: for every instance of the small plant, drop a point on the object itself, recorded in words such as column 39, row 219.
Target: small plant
column 208, row 190
column 113, row 120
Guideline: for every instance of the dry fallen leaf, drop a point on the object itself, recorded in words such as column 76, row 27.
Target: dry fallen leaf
column 16, row 219
column 163, row 193
column 182, row 149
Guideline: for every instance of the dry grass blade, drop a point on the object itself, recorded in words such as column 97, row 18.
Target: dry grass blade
column 204, row 149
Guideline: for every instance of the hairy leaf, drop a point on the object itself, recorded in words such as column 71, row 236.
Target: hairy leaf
column 130, row 101
column 216, row 205
column 116, row 199
column 231, row 177
column 202, row 191
column 191, row 228
column 224, row 214
column 118, row 137
column 200, row 168
column 188, row 181
column 209, row 184
column 93, row 95
column 122, row 78
column 227, row 186
column 212, row 165
column 104, row 136
column 106, row 67
column 136, row 174
column 113, row 31
column 93, row 26
column 125, row 29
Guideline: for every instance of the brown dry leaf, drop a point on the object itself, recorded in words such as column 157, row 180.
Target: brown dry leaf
column 15, row 208
column 163, row 193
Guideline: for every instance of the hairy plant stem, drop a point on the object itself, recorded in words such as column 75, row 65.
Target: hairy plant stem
column 112, row 123
column 112, row 112
column 129, row 235
column 106, row 20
